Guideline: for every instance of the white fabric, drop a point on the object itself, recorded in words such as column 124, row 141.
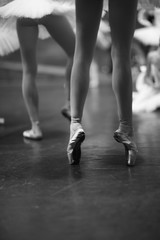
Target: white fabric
column 11, row 10
column 8, row 37
column 35, row 8
column 148, row 36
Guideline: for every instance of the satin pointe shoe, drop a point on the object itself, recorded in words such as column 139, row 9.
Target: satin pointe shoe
column 129, row 145
column 35, row 133
column 66, row 113
column 74, row 146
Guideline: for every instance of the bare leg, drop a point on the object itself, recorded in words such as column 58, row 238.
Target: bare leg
column 61, row 30
column 122, row 29
column 28, row 35
column 88, row 14
column 122, row 15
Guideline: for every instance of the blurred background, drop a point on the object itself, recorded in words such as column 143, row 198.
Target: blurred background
column 52, row 59
column 43, row 198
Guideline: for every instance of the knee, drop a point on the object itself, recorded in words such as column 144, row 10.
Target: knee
column 70, row 48
column 29, row 63
column 30, row 71
column 83, row 63
column 120, row 54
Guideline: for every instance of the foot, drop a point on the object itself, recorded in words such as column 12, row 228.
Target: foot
column 2, row 120
column 66, row 112
column 126, row 138
column 74, row 145
column 35, row 133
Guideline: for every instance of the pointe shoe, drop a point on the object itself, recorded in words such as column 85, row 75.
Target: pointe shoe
column 129, row 145
column 30, row 134
column 66, row 113
column 74, row 146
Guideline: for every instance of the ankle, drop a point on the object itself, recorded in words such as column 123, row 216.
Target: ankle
column 36, row 125
column 75, row 120
column 75, row 125
column 126, row 127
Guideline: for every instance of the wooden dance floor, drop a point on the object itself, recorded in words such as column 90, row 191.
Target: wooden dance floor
column 42, row 197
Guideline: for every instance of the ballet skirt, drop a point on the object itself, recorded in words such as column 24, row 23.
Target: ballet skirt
column 34, row 8
column 10, row 10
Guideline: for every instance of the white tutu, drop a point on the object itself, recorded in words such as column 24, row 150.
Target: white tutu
column 10, row 10
column 8, row 37
column 35, row 8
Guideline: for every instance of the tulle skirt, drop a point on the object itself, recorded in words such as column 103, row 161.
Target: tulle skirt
column 40, row 8
column 10, row 10
column 35, row 8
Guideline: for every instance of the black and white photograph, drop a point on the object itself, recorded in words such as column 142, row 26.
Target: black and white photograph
column 79, row 119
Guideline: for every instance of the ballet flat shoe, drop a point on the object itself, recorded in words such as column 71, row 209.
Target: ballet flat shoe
column 30, row 134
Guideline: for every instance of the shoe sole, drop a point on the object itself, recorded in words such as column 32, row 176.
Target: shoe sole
column 75, row 156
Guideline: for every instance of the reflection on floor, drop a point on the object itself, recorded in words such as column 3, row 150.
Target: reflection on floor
column 42, row 197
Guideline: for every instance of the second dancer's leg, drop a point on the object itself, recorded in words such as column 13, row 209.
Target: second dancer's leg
column 122, row 16
column 88, row 15
column 60, row 30
column 28, row 34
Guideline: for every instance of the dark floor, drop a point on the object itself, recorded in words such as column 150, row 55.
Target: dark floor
column 42, row 197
